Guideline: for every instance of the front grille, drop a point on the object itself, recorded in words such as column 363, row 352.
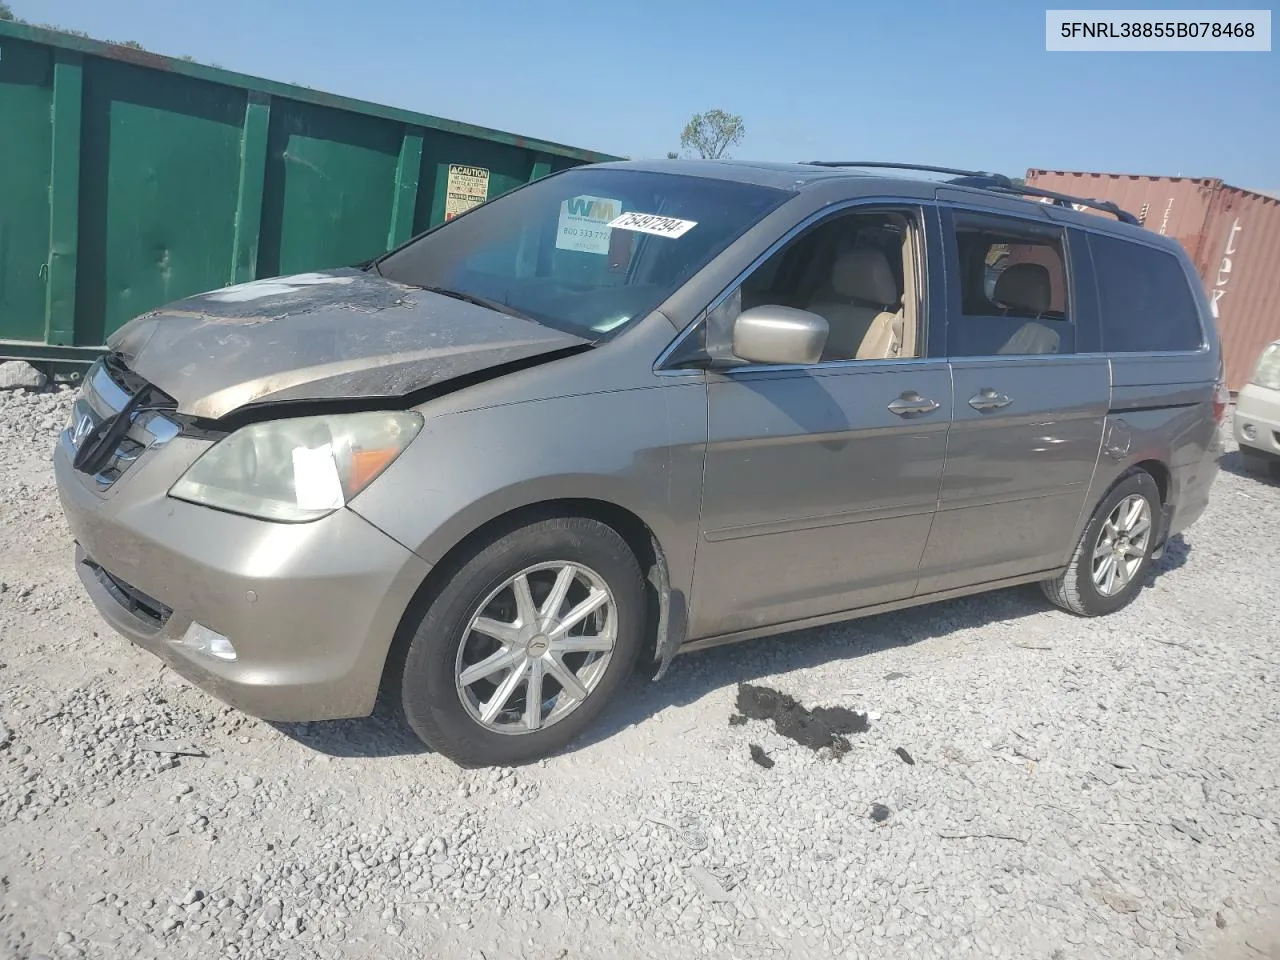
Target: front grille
column 108, row 388
column 121, row 375
column 131, row 598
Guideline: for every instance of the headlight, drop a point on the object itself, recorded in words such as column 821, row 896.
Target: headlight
column 297, row 470
column 1268, row 372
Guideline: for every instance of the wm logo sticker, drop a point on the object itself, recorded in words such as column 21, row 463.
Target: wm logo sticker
column 593, row 208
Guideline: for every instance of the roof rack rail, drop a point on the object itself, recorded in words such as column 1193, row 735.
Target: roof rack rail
column 992, row 178
column 996, row 182
column 984, row 182
column 1066, row 200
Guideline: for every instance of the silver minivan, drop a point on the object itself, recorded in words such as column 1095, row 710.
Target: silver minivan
column 633, row 410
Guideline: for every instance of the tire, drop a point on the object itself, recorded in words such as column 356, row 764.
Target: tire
column 449, row 716
column 1076, row 590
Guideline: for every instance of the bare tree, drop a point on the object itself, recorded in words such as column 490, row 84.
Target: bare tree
column 710, row 134
column 5, row 12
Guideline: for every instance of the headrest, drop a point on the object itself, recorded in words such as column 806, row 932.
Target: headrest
column 865, row 275
column 1023, row 287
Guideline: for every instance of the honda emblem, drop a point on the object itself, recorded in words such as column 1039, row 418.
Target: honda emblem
column 81, row 430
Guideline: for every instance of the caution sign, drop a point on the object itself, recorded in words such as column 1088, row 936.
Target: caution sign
column 468, row 187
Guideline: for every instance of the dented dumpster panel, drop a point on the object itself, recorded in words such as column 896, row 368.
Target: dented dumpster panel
column 327, row 193
column 159, row 168
column 133, row 180
column 26, row 79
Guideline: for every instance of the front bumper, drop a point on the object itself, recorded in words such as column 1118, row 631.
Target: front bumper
column 311, row 608
column 1258, row 413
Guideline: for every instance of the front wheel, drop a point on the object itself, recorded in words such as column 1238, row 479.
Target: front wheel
column 1111, row 560
column 526, row 644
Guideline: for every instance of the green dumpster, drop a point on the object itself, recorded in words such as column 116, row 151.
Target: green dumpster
column 128, row 180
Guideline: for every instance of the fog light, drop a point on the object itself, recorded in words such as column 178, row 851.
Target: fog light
column 1249, row 432
column 203, row 640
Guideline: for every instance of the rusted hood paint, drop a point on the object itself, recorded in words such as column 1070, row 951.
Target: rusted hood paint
column 320, row 336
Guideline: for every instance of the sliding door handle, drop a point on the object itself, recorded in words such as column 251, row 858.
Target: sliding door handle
column 911, row 404
column 988, row 399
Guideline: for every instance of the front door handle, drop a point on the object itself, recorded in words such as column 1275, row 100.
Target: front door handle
column 911, row 404
column 988, row 399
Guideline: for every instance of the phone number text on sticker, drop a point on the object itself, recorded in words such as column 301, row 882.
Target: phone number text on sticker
column 651, row 223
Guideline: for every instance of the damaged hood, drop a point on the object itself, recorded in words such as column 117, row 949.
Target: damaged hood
column 320, row 336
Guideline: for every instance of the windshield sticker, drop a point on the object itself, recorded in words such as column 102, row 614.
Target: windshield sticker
column 584, row 224
column 468, row 187
column 652, row 223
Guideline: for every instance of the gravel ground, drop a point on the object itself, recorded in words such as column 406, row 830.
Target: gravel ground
column 1104, row 788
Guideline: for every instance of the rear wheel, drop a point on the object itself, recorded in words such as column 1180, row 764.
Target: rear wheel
column 1111, row 560
column 526, row 644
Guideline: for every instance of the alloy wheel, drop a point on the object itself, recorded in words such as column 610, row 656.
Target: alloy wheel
column 1122, row 545
column 536, row 647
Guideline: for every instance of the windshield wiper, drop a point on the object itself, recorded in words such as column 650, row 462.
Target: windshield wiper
column 479, row 301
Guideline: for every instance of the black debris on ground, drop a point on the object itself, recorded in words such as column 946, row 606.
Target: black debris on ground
column 906, row 757
column 1189, row 830
column 896, row 676
column 760, row 757
column 879, row 812
column 736, row 720
column 815, row 729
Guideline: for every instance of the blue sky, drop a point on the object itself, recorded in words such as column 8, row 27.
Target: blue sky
column 959, row 83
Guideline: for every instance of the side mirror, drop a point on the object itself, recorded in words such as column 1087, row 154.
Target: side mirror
column 774, row 334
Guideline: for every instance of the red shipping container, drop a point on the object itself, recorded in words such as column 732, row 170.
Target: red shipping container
column 1232, row 236
column 1240, row 263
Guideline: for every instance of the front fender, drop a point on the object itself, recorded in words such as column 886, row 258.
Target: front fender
column 638, row 449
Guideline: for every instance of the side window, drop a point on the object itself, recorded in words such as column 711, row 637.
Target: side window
column 1012, row 296
column 1146, row 301
column 858, row 271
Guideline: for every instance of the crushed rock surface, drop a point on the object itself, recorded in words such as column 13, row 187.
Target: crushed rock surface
column 1079, row 788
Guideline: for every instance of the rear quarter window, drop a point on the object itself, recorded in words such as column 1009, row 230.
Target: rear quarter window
column 1145, row 297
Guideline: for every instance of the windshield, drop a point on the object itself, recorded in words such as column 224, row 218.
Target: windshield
column 585, row 251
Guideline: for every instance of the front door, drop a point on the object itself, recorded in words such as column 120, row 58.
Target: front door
column 821, row 481
column 1029, row 408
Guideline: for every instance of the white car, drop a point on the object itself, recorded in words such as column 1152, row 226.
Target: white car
column 1257, row 418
